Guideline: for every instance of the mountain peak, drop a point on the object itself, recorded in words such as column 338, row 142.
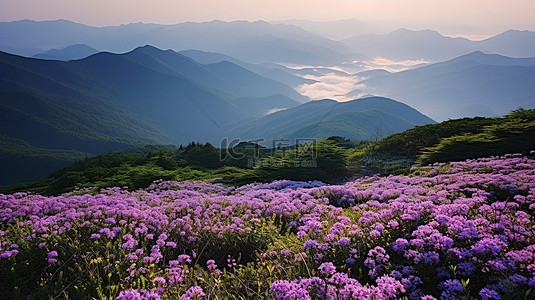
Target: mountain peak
column 493, row 59
column 513, row 33
column 477, row 53
column 150, row 49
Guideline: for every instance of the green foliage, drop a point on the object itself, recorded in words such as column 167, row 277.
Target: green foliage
column 330, row 160
column 198, row 155
column 411, row 142
column 514, row 133
column 453, row 140
column 235, row 175
column 245, row 163
column 323, row 161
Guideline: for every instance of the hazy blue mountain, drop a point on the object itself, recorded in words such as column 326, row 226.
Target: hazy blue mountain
column 108, row 83
column 404, row 44
column 341, row 29
column 44, row 34
column 148, row 73
column 248, row 83
column 271, row 71
column 489, row 59
column 361, row 119
column 54, row 112
column 223, row 76
column 28, row 52
column 73, row 52
column 476, row 84
column 258, row 41
column 237, row 37
column 513, row 43
column 430, row 45
column 278, row 50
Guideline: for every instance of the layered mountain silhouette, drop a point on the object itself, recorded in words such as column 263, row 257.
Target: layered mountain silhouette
column 165, row 87
column 476, row 84
column 251, row 41
column 260, row 41
column 342, row 29
column 271, row 71
column 403, row 44
column 73, row 52
column 53, row 112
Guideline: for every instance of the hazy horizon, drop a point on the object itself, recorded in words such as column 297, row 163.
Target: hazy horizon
column 475, row 18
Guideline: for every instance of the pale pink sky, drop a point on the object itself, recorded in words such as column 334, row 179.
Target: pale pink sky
column 485, row 14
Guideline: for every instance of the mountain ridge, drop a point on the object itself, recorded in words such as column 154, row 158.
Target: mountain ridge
column 110, row 101
column 73, row 52
column 301, row 121
column 207, row 36
column 431, row 45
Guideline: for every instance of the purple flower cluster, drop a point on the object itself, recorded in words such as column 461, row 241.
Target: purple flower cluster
column 338, row 286
column 138, row 295
column 193, row 293
column 51, row 257
column 420, row 237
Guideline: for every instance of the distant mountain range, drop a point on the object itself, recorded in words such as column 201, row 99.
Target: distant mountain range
column 53, row 112
column 260, row 42
column 515, row 43
column 250, row 41
column 73, row 52
column 403, row 44
column 342, row 29
column 476, row 84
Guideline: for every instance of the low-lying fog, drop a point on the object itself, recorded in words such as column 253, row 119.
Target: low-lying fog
column 342, row 83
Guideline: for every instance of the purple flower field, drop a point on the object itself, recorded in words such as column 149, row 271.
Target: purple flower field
column 463, row 230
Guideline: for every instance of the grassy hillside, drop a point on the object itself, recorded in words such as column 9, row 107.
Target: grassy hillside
column 454, row 140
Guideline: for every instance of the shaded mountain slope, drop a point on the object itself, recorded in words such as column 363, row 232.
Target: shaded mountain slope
column 272, row 72
column 361, row 119
column 115, row 101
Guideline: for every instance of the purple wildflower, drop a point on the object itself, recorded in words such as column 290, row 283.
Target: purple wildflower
column 327, row 268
